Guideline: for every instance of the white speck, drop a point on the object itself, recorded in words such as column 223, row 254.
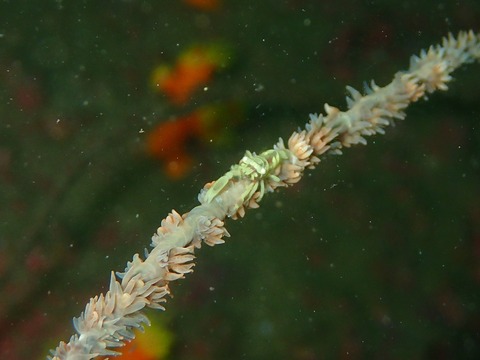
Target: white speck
column 141, row 131
column 259, row 87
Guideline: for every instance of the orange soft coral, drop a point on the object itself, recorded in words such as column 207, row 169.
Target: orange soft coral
column 169, row 141
column 207, row 5
column 194, row 68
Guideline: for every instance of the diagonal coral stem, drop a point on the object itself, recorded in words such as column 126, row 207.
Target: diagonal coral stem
column 108, row 320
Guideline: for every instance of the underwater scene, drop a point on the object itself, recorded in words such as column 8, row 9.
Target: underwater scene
column 113, row 113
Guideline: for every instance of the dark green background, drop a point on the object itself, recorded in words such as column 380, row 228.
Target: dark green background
column 374, row 255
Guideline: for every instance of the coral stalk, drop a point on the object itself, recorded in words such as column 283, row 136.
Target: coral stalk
column 108, row 320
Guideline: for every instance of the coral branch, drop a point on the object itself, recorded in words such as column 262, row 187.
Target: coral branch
column 108, row 320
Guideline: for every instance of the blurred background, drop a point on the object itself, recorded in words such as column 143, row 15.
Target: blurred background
column 114, row 112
